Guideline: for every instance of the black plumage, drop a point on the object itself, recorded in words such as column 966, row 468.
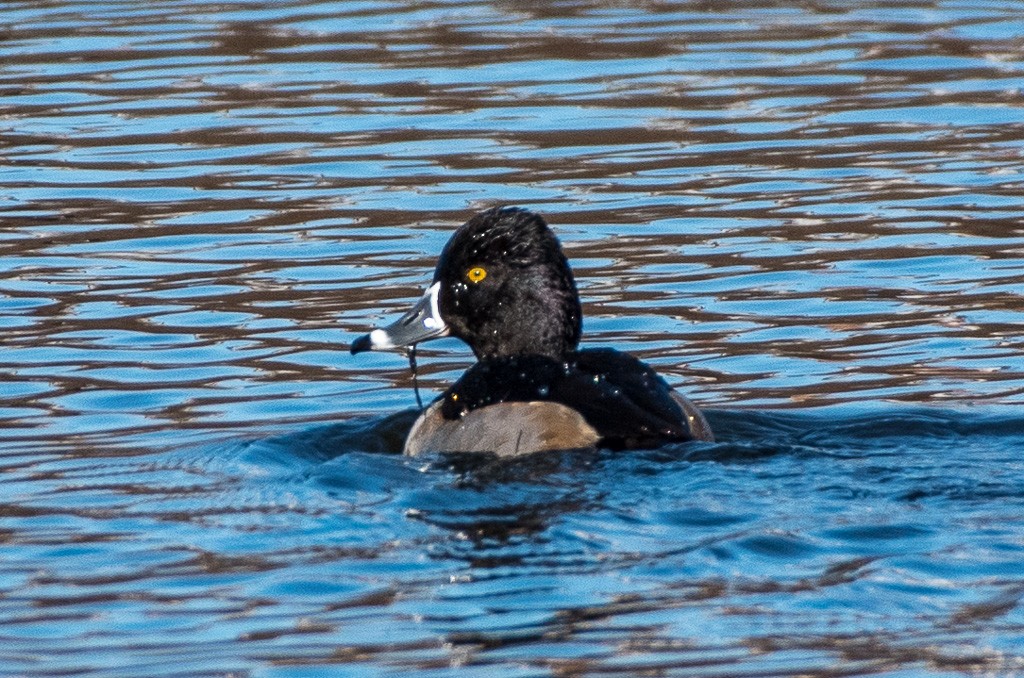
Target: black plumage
column 504, row 286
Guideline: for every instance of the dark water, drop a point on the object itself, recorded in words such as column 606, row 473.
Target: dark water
column 808, row 215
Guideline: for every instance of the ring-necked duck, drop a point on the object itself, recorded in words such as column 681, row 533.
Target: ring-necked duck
column 504, row 287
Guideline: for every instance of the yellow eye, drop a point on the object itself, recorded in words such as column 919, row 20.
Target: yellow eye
column 476, row 274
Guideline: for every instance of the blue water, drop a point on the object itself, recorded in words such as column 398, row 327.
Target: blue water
column 799, row 544
column 808, row 217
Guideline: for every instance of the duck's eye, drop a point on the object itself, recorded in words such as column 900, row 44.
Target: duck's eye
column 476, row 274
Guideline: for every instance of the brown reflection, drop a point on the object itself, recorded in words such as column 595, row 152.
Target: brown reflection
column 206, row 214
column 780, row 205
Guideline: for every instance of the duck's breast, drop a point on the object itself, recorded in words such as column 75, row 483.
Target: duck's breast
column 506, row 429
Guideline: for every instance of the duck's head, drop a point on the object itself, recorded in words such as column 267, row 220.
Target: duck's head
column 502, row 285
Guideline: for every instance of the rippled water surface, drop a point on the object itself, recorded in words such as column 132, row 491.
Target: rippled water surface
column 809, row 216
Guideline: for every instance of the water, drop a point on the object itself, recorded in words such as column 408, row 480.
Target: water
column 808, row 216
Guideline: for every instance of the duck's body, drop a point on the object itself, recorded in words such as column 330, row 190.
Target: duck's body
column 503, row 285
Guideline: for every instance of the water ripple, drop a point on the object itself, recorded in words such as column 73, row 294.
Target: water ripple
column 807, row 217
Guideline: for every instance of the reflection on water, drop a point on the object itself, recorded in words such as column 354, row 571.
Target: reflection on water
column 782, row 206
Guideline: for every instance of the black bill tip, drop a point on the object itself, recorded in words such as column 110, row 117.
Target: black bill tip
column 361, row 344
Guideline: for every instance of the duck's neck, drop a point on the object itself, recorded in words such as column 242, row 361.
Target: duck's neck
column 512, row 351
column 521, row 337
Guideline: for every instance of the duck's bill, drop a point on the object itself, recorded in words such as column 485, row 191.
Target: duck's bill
column 422, row 322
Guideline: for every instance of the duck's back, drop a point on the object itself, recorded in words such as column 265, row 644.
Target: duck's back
column 595, row 398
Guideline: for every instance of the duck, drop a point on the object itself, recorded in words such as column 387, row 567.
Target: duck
column 503, row 286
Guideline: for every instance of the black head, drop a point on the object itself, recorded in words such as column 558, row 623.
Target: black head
column 502, row 285
column 506, row 287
